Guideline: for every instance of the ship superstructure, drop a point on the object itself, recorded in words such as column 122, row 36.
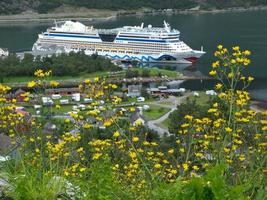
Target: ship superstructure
column 128, row 43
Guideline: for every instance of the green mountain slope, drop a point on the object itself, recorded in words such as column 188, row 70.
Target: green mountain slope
column 44, row 6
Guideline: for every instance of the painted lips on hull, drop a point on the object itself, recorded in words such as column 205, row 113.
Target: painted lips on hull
column 192, row 59
column 195, row 56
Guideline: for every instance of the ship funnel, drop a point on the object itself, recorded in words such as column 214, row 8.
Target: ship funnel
column 202, row 48
column 142, row 25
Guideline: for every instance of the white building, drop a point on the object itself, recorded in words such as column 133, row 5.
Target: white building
column 134, row 90
column 211, row 93
column 76, row 97
column 3, row 52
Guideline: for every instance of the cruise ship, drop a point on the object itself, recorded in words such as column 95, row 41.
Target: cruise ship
column 128, row 43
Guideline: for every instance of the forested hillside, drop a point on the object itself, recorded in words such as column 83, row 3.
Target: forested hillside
column 44, row 6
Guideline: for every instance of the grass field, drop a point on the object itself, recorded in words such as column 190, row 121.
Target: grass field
column 155, row 112
column 155, row 71
column 202, row 99
column 64, row 109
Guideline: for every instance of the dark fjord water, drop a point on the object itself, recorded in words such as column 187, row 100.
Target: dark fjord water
column 247, row 29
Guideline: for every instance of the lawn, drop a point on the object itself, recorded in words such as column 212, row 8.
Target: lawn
column 155, row 71
column 64, row 109
column 202, row 99
column 155, row 112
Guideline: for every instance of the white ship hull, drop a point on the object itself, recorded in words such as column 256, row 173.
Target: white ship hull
column 180, row 58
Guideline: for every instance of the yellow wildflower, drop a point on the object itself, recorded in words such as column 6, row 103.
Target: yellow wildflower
column 87, row 81
column 116, row 134
column 58, row 106
column 54, row 83
column 157, row 166
column 230, row 75
column 189, row 117
column 171, row 151
column 135, row 139
column 247, row 53
column 96, row 156
column 233, row 61
column 236, row 48
column 186, row 167
column 228, row 130
column 212, row 73
column 31, row 84
column 218, row 86
column 215, row 64
column 250, row 79
column 242, row 157
column 67, row 121
column 220, row 47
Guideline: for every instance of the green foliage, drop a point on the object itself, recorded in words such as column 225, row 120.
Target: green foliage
column 44, row 6
column 233, row 3
column 189, row 107
column 72, row 64
column 101, row 183
column 167, row 191
column 211, row 186
column 145, row 72
column 31, row 184
column 131, row 73
column 144, row 93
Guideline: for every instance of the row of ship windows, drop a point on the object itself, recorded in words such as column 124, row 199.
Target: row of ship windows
column 176, row 36
column 112, row 51
column 123, row 50
column 120, row 43
column 97, row 45
column 120, row 50
column 127, row 51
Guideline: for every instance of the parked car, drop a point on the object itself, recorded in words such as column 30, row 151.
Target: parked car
column 141, row 99
column 87, row 100
column 56, row 96
column 64, row 101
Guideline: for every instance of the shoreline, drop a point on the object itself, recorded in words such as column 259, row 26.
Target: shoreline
column 258, row 105
column 93, row 15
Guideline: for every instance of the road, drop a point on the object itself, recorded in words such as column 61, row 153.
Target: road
column 154, row 124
